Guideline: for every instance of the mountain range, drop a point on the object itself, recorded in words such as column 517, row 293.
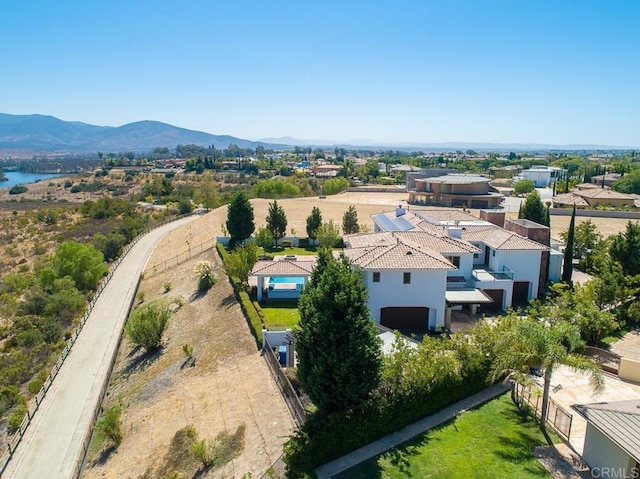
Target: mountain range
column 48, row 133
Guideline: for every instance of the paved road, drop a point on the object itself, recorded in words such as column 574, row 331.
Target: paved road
column 52, row 444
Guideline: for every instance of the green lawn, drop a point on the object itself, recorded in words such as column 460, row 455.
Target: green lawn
column 493, row 441
column 281, row 314
column 607, row 341
column 297, row 251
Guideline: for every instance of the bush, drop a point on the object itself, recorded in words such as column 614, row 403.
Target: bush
column 147, row 324
column 111, row 425
column 253, row 318
column 335, row 186
column 206, row 277
column 18, row 189
column 16, row 417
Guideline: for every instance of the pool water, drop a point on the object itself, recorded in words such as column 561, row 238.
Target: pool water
column 286, row 280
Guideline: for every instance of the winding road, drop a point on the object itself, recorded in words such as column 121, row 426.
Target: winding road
column 52, row 445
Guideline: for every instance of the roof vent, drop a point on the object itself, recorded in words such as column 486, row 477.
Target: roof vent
column 409, row 253
column 400, row 211
column 290, row 257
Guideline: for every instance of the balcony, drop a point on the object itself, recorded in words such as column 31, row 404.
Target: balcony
column 484, row 275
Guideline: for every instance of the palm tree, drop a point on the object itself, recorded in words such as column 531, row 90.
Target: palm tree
column 529, row 342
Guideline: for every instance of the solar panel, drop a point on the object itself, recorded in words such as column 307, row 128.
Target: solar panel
column 393, row 224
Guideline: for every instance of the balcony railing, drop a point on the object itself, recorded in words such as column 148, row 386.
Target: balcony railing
column 485, row 274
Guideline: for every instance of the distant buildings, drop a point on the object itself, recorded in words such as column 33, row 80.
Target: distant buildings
column 542, row 175
column 454, row 190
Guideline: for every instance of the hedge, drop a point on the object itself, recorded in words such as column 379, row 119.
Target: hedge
column 326, row 437
column 251, row 314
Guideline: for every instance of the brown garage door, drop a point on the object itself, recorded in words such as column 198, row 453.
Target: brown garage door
column 405, row 318
column 520, row 292
column 496, row 295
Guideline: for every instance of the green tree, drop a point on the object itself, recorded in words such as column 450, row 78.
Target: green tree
column 533, row 209
column 335, row 186
column 240, row 262
column 147, row 324
column 524, row 187
column 585, row 241
column 328, row 234
column 276, row 221
column 82, row 262
column 314, row 221
column 264, row 238
column 350, row 221
column 529, row 343
column 567, row 268
column 339, row 356
column 625, row 249
column 240, row 223
column 629, row 183
column 206, row 193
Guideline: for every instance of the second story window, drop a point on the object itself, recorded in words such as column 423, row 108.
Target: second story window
column 406, row 278
column 376, row 277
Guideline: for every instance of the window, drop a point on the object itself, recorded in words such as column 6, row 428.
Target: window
column 476, row 255
column 455, row 260
column 376, row 276
column 493, row 252
column 406, row 278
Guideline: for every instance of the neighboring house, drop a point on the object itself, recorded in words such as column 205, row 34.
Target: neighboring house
column 542, row 175
column 590, row 196
column 472, row 191
column 411, row 177
column 607, row 179
column 612, row 440
column 418, row 265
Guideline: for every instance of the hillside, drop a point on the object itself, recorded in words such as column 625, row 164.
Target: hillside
column 48, row 133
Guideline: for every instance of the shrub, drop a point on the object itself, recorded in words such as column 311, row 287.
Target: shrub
column 111, row 425
column 167, row 287
column 206, row 277
column 147, row 324
column 16, row 417
column 18, row 189
column 219, row 451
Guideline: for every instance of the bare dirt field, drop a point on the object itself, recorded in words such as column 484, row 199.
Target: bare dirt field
column 229, row 387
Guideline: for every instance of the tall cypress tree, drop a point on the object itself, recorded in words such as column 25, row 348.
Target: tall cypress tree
column 240, row 223
column 567, row 267
column 339, row 356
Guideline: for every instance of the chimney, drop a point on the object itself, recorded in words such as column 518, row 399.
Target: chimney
column 454, row 232
column 400, row 211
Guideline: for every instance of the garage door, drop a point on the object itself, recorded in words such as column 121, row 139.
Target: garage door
column 520, row 292
column 496, row 295
column 405, row 318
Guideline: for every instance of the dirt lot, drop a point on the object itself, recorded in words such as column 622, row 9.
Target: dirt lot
column 230, row 385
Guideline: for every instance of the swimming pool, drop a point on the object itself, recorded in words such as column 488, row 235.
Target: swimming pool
column 286, row 280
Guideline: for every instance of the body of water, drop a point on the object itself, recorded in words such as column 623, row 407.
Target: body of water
column 19, row 178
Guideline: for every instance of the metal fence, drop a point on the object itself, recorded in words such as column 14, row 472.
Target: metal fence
column 288, row 393
column 180, row 257
column 38, row 398
column 559, row 418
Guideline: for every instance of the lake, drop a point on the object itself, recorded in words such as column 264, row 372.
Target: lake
column 20, row 178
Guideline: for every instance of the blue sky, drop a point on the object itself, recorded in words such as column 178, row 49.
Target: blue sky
column 556, row 72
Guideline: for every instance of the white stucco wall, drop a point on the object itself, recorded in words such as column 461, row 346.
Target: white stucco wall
column 542, row 178
column 604, row 458
column 466, row 265
column 427, row 289
column 524, row 264
column 555, row 265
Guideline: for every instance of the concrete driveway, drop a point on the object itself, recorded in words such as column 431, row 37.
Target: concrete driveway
column 53, row 443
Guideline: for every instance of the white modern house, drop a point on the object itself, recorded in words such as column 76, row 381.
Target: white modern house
column 542, row 175
column 419, row 265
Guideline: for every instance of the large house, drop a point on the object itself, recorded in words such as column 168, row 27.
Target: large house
column 472, row 191
column 589, row 195
column 419, row 265
column 542, row 175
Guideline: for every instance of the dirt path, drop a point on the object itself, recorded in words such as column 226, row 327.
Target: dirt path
column 230, row 385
